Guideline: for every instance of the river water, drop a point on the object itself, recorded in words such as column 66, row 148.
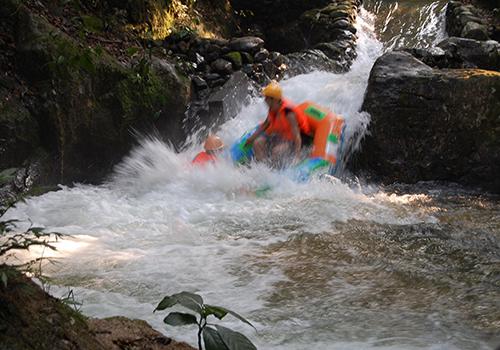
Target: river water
column 322, row 265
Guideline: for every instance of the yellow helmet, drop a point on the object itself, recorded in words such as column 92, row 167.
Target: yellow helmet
column 273, row 90
column 213, row 143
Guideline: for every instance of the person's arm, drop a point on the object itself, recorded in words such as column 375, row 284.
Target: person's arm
column 257, row 132
column 290, row 116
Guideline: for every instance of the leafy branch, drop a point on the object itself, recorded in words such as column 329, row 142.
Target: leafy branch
column 12, row 240
column 215, row 337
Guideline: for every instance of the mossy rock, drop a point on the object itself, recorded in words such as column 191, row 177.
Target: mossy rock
column 18, row 130
column 235, row 58
column 90, row 102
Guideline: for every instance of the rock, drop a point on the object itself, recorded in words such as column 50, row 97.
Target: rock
column 277, row 58
column 434, row 57
column 247, row 68
column 431, row 124
column 465, row 21
column 474, row 30
column 212, row 56
column 311, row 60
column 199, row 59
column 246, row 58
column 19, row 130
column 261, row 55
column 228, row 100
column 461, row 53
column 116, row 333
column 235, row 58
column 270, row 69
column 222, row 66
column 247, row 43
column 199, row 83
column 212, row 76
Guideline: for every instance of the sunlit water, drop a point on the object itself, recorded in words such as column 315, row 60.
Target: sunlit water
column 321, row 265
column 408, row 23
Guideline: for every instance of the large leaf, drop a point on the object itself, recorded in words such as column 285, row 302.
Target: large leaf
column 217, row 311
column 241, row 318
column 234, row 340
column 180, row 319
column 189, row 300
column 166, row 302
column 212, row 340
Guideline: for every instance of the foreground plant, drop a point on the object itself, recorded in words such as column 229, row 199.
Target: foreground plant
column 215, row 337
column 13, row 240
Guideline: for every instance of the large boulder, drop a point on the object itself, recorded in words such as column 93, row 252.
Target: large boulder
column 431, row 124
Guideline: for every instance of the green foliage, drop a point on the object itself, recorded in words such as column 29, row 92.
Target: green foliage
column 69, row 61
column 142, row 93
column 12, row 240
column 215, row 337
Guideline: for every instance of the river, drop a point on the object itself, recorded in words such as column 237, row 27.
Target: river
column 322, row 265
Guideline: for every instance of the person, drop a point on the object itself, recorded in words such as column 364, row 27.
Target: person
column 212, row 147
column 279, row 136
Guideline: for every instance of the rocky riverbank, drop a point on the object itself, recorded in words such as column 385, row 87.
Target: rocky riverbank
column 32, row 319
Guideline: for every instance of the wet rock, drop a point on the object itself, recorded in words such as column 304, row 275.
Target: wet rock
column 247, row 43
column 474, row 30
column 212, row 76
column 469, row 53
column 432, row 124
column 228, row 100
column 310, row 60
column 434, row 57
column 199, row 83
column 277, row 58
column 465, row 21
column 199, row 60
column 270, row 69
column 212, row 56
column 222, row 66
column 246, row 57
column 247, row 68
column 261, row 55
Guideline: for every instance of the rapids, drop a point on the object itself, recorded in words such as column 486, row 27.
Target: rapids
column 323, row 265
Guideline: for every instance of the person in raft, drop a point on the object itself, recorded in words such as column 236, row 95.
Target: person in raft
column 279, row 136
column 212, row 148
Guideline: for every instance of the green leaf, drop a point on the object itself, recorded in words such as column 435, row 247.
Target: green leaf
column 4, row 279
column 180, row 319
column 234, row 340
column 188, row 300
column 167, row 302
column 217, row 311
column 213, row 340
column 241, row 318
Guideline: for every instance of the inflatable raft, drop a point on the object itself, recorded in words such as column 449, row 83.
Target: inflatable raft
column 327, row 131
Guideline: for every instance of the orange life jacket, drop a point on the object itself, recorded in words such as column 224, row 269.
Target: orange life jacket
column 280, row 125
column 203, row 158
